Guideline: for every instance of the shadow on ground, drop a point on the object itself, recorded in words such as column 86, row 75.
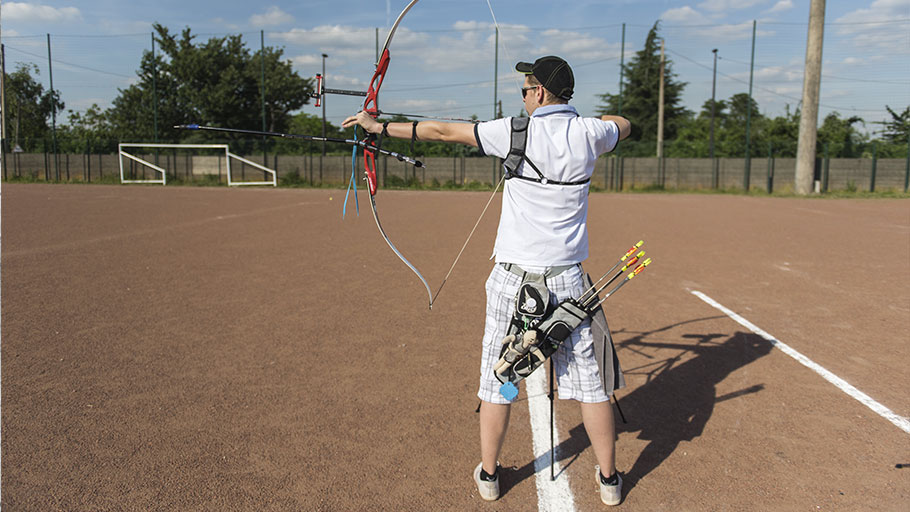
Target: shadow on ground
column 675, row 403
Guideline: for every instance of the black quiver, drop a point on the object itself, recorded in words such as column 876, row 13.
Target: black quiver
column 540, row 341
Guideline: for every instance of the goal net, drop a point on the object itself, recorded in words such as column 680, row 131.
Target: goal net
column 153, row 163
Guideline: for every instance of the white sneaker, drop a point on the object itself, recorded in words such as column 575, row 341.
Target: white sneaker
column 489, row 491
column 609, row 494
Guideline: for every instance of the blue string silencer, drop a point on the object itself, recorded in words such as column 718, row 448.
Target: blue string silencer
column 509, row 391
column 353, row 181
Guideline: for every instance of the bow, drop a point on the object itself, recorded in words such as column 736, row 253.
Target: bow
column 371, row 107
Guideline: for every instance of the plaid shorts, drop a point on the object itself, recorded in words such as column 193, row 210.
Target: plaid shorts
column 577, row 374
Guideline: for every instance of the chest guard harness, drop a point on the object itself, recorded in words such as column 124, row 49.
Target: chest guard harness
column 517, row 155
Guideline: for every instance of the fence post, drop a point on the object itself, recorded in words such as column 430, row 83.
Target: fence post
column 825, row 169
column 714, row 168
column 47, row 176
column 770, row 168
column 907, row 169
column 622, row 172
column 874, row 165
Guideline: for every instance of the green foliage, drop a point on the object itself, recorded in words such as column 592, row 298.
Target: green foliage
column 218, row 82
column 29, row 108
column 897, row 130
column 640, row 97
column 292, row 179
column 842, row 139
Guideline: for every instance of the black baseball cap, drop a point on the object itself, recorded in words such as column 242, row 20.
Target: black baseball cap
column 553, row 73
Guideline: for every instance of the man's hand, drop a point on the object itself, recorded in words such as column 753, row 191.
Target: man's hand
column 365, row 121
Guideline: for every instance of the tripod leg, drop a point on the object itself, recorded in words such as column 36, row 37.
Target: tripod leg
column 552, row 449
column 621, row 415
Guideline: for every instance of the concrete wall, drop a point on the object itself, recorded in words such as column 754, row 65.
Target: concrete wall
column 610, row 172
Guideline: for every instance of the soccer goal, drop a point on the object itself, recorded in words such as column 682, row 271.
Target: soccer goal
column 194, row 164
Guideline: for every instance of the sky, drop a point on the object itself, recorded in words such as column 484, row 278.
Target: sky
column 444, row 54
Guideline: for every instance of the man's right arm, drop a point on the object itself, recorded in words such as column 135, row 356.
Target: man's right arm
column 625, row 127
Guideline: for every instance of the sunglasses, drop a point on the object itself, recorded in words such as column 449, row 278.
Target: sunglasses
column 524, row 90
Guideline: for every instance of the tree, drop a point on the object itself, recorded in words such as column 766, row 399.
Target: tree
column 897, row 130
column 641, row 93
column 216, row 82
column 89, row 131
column 843, row 140
column 782, row 132
column 29, row 108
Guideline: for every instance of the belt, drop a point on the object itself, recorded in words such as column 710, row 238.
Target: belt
column 550, row 272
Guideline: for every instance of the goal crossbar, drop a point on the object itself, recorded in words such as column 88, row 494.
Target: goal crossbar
column 227, row 153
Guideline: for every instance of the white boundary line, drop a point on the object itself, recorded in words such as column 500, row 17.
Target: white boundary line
column 552, row 496
column 901, row 422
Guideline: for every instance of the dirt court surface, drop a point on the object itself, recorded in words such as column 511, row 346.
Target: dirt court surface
column 170, row 348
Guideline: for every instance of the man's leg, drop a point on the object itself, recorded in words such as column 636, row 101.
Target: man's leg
column 494, row 420
column 598, row 420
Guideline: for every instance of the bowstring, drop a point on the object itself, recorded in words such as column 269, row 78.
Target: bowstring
column 498, row 185
column 505, row 47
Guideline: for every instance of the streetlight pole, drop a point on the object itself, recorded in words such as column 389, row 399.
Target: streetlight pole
column 324, row 56
column 713, row 91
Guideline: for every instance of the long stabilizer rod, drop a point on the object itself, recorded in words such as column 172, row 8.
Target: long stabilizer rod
column 314, row 138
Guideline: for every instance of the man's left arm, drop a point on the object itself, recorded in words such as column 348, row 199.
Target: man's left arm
column 428, row 131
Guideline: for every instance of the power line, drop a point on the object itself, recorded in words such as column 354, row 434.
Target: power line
column 69, row 63
column 798, row 100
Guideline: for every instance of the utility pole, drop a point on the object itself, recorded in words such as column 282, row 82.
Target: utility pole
column 808, row 117
column 50, row 72
column 324, row 56
column 496, row 161
column 747, row 172
column 265, row 160
column 660, row 106
column 713, row 104
column 154, row 92
column 622, row 57
column 496, row 74
column 3, row 110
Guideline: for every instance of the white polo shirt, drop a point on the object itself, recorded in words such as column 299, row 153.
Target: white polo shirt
column 546, row 225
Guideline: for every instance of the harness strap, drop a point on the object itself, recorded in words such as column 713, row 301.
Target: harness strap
column 517, row 155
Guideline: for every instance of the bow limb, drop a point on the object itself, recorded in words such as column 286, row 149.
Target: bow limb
column 398, row 253
column 371, row 106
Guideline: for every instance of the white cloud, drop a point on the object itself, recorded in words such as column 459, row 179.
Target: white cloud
column 577, row 47
column 24, row 12
column 303, row 61
column 781, row 6
column 342, row 43
column 272, row 16
column 727, row 5
column 879, row 10
column 864, row 30
column 687, row 16
column 684, row 16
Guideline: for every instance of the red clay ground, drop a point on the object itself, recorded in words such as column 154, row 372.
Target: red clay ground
column 171, row 348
